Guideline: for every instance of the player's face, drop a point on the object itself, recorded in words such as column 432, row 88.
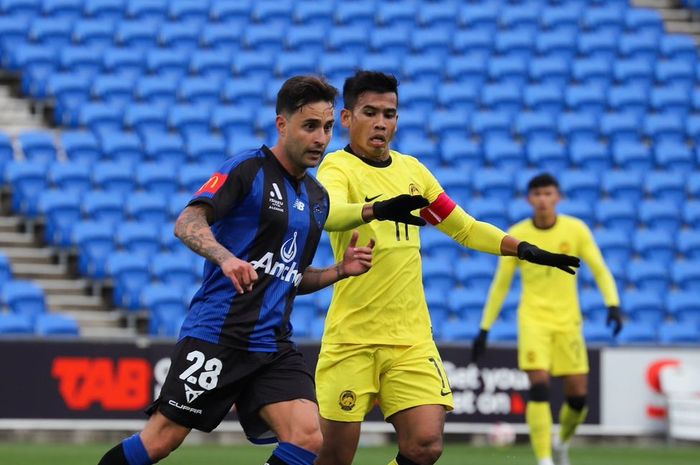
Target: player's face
column 544, row 200
column 305, row 134
column 372, row 123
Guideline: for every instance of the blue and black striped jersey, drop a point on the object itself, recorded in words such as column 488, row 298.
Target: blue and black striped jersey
column 267, row 217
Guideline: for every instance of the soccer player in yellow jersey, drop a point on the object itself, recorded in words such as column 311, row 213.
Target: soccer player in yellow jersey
column 550, row 341
column 377, row 345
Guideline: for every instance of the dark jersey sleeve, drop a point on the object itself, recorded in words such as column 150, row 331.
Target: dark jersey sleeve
column 227, row 187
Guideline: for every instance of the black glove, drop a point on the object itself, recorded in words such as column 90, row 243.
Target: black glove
column 399, row 209
column 615, row 316
column 534, row 254
column 479, row 345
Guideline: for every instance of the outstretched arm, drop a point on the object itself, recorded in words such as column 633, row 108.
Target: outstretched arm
column 192, row 228
column 356, row 261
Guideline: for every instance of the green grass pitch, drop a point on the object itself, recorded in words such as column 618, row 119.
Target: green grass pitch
column 455, row 454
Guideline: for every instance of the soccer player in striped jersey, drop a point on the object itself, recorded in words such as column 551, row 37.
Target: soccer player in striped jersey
column 377, row 345
column 550, row 341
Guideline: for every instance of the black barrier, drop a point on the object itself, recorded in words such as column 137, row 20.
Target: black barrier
column 117, row 380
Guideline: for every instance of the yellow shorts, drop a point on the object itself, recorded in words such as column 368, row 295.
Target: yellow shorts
column 559, row 352
column 351, row 378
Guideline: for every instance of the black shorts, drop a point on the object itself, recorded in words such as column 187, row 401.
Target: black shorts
column 206, row 379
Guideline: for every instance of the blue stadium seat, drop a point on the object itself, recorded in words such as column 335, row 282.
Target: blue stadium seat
column 38, row 146
column 491, row 124
column 598, row 44
column 200, row 90
column 505, row 98
column 138, row 238
column 391, row 14
column 601, row 20
column 347, row 39
column 335, row 66
column 244, row 93
column 479, row 17
column 554, row 71
column 141, row 34
column 624, row 185
column 535, row 126
column 147, row 9
column 258, row 65
column 643, row 47
column 381, row 62
column 586, row 98
column 638, row 332
column 477, row 43
column 157, row 177
column 293, row 63
column 518, row 210
column 122, row 147
column 578, row 127
column 73, row 177
column 127, row 61
column 83, row 60
column 490, row 210
column 597, row 333
column 164, row 304
column 237, row 145
column 433, row 44
column 459, row 330
column 55, row 32
column 655, row 245
column 504, row 153
column 164, row 148
column 561, row 18
column 100, row 117
column 581, row 185
column 677, row 73
column 317, row 14
column 649, row 276
column 456, row 183
column 666, row 185
column 154, row 91
column 214, row 64
column 437, row 16
column 415, row 122
column 469, row 70
column 617, row 214
column 693, row 184
column 116, row 89
column 437, row 245
column 301, row 324
column 644, row 20
column 545, row 98
column 236, row 12
column 522, row 179
column 172, row 63
column 686, row 274
column 437, row 275
column 475, row 273
column 180, row 35
column 515, row 44
column 52, row 324
column 679, row 47
column 232, row 120
column 457, row 97
column 208, row 149
column 189, row 119
column 274, row 13
column 69, row 91
column 671, row 99
column 144, row 117
column 308, row 38
column 169, row 241
column 614, row 244
column 632, row 98
column 188, row 10
column 504, row 331
column 590, row 155
column 548, row 155
column 105, row 207
column 507, row 70
column 577, row 208
column 644, row 306
column 80, row 146
column 664, row 127
column 222, row 37
column 28, row 180
column 466, row 301
column 675, row 333
column 619, row 127
column 692, row 127
column 426, row 69
column 130, row 274
column 115, row 177
column 150, row 207
column 689, row 244
column 592, row 72
column 420, row 147
column 691, row 214
column 461, row 151
column 106, row 9
column 24, row 298
column 676, row 157
column 632, row 155
column 11, row 324
column 556, row 44
column 661, row 214
column 60, row 210
column 177, row 202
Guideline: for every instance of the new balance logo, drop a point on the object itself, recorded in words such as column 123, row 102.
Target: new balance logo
column 191, row 394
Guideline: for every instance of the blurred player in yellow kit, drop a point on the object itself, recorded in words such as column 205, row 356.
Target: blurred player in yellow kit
column 377, row 345
column 550, row 341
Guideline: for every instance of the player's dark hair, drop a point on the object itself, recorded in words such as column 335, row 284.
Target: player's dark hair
column 303, row 90
column 368, row 81
column 542, row 180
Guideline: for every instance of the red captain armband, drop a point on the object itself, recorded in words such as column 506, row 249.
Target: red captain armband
column 437, row 211
column 213, row 184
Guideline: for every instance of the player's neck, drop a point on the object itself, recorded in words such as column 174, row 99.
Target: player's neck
column 292, row 169
column 382, row 156
column 544, row 220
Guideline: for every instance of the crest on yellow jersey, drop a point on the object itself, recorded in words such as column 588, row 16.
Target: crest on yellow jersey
column 347, row 400
column 413, row 189
column 564, row 247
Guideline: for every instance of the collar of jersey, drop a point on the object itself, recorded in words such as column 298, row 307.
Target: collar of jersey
column 295, row 182
column 376, row 164
column 556, row 220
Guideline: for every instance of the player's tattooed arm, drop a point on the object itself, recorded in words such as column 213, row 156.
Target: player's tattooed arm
column 192, row 228
column 318, row 278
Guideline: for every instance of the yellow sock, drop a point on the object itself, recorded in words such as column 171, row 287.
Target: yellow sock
column 539, row 419
column 394, row 462
column 569, row 419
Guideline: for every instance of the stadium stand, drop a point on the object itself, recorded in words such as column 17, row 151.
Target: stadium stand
column 149, row 97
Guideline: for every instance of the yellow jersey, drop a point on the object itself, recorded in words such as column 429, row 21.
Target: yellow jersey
column 387, row 304
column 550, row 296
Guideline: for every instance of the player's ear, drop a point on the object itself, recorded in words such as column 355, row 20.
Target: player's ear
column 281, row 123
column 345, row 116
